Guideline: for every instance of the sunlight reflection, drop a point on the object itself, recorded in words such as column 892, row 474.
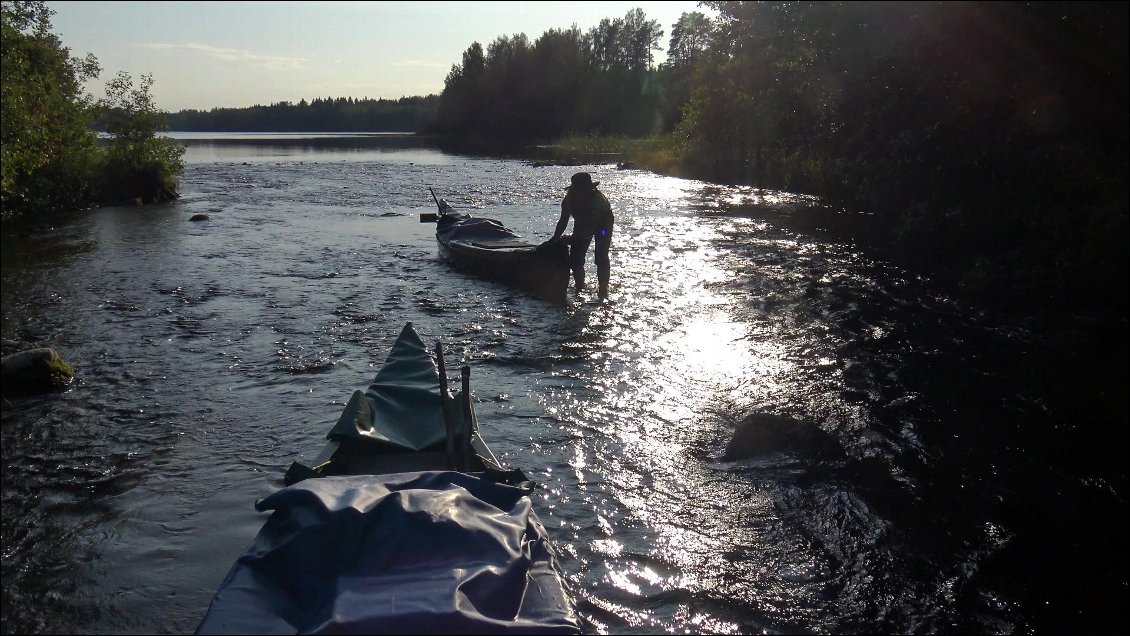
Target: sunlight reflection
column 705, row 624
column 642, row 385
column 621, row 580
column 608, row 547
column 630, row 617
column 649, row 188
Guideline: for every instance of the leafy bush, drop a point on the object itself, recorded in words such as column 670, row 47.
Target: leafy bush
column 51, row 158
column 139, row 165
column 48, row 149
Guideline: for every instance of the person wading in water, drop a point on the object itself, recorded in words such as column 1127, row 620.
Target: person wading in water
column 592, row 220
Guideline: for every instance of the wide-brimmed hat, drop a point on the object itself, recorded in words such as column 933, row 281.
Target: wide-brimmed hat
column 582, row 180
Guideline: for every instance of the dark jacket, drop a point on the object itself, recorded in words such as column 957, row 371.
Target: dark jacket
column 590, row 213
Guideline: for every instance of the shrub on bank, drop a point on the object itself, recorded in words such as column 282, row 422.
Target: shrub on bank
column 139, row 165
column 657, row 153
column 51, row 158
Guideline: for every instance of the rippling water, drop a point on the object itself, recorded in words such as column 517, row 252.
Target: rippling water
column 974, row 479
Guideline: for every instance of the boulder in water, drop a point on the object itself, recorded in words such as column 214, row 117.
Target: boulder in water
column 199, row 217
column 34, row 371
column 761, row 434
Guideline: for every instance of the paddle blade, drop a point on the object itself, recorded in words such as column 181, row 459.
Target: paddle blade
column 428, row 217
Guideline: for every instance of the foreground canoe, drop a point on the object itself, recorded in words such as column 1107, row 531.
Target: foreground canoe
column 490, row 249
column 405, row 523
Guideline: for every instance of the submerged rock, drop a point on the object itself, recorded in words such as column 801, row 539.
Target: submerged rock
column 199, row 217
column 761, row 434
column 34, row 371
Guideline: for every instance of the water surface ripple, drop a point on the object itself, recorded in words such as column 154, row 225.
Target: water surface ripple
column 973, row 477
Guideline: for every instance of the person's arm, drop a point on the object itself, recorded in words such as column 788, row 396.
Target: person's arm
column 602, row 203
column 563, row 222
column 603, row 208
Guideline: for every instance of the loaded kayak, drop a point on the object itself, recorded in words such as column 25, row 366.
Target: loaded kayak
column 490, row 249
column 405, row 523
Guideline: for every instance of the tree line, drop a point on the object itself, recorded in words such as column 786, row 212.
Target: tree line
column 601, row 81
column 990, row 137
column 342, row 114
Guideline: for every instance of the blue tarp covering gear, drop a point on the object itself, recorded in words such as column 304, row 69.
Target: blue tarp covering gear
column 402, row 406
column 461, row 227
column 425, row 552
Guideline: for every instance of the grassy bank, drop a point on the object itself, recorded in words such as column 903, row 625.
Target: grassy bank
column 657, row 153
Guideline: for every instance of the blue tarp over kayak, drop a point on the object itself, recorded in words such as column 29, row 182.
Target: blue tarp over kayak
column 402, row 406
column 430, row 552
column 454, row 226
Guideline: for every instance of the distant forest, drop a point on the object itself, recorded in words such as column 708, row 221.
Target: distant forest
column 603, row 81
column 342, row 114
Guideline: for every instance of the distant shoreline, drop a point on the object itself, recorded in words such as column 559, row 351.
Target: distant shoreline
column 313, row 134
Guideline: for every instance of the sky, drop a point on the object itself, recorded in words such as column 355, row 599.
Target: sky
column 204, row 55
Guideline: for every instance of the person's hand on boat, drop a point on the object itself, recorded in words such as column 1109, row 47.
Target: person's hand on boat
column 549, row 243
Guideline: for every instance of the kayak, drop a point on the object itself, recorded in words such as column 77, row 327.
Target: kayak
column 405, row 523
column 490, row 249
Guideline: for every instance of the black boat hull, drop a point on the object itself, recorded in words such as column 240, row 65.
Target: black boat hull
column 544, row 274
column 487, row 248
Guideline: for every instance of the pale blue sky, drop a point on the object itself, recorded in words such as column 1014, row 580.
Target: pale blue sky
column 208, row 54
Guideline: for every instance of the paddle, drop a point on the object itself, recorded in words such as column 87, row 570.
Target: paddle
column 431, row 217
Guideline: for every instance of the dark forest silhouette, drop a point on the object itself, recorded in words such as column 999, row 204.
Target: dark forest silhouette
column 342, row 114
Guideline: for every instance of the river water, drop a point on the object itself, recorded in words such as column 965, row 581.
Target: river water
column 971, row 474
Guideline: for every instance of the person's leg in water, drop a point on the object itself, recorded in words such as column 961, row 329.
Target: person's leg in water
column 603, row 262
column 577, row 251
